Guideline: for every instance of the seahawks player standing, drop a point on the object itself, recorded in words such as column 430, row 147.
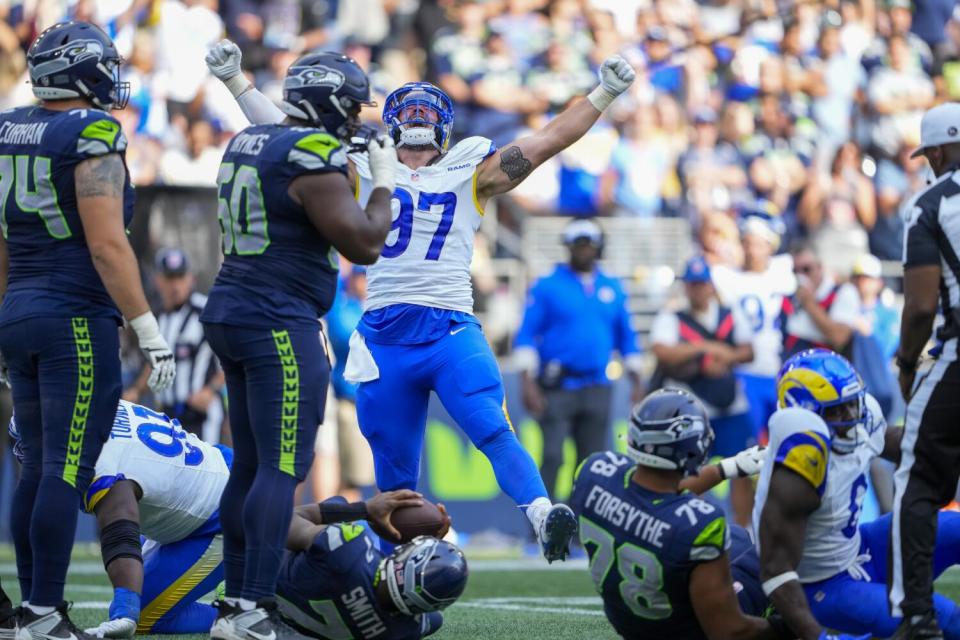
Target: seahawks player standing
column 418, row 333
column 659, row 557
column 821, row 567
column 285, row 205
column 69, row 276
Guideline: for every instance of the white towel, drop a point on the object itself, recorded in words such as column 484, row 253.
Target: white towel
column 360, row 366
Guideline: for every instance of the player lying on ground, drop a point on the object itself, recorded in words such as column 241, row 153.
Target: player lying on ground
column 663, row 560
column 820, row 567
column 156, row 479
column 418, row 333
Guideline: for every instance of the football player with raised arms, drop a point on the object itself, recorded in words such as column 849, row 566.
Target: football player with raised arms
column 286, row 208
column 155, row 479
column 418, row 333
column 68, row 277
column 820, row 566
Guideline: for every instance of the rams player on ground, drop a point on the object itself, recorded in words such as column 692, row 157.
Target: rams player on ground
column 418, row 333
column 820, row 567
column 154, row 478
column 661, row 559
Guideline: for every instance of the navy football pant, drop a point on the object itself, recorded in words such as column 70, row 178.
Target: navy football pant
column 65, row 378
column 276, row 389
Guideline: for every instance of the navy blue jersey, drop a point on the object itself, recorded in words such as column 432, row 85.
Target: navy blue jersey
column 278, row 270
column 328, row 591
column 51, row 271
column 643, row 546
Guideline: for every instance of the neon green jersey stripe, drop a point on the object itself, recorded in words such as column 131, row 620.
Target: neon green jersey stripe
column 291, row 402
column 81, row 405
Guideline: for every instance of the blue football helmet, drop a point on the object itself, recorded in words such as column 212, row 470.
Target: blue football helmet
column 77, row 60
column 827, row 384
column 670, row 430
column 424, row 575
column 419, row 114
column 327, row 90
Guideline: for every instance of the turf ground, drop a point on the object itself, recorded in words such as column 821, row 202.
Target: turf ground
column 504, row 600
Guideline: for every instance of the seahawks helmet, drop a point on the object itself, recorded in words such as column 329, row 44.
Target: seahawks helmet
column 424, row 575
column 419, row 114
column 326, row 90
column 77, row 60
column 670, row 430
column 820, row 380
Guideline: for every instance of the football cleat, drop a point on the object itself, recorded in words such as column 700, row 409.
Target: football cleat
column 919, row 628
column 556, row 531
column 8, row 623
column 117, row 628
column 260, row 623
column 55, row 625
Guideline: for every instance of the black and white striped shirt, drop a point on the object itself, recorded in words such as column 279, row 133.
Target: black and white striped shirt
column 932, row 237
column 196, row 364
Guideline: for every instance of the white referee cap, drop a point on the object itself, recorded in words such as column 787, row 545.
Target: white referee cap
column 583, row 228
column 940, row 125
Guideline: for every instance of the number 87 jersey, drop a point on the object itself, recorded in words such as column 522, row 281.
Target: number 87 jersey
column 436, row 213
column 181, row 476
column 643, row 546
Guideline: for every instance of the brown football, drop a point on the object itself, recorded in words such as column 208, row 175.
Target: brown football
column 425, row 520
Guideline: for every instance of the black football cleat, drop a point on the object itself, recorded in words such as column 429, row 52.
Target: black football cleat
column 923, row 627
column 261, row 623
column 556, row 532
column 55, row 625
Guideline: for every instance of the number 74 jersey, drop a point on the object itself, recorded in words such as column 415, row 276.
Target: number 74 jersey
column 181, row 476
column 643, row 546
column 436, row 213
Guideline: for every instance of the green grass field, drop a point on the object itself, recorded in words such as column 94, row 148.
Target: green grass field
column 505, row 599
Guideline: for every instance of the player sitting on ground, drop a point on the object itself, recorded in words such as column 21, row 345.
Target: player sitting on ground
column 418, row 333
column 820, row 567
column 154, row 478
column 661, row 558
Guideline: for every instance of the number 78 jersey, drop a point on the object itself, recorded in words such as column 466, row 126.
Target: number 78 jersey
column 643, row 547
column 436, row 213
column 181, row 476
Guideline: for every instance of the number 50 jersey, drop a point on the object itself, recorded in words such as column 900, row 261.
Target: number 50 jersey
column 436, row 213
column 643, row 546
column 181, row 476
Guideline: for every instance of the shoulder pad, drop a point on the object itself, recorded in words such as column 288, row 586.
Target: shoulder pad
column 785, row 422
column 337, row 535
column 98, row 133
column 317, row 150
column 467, row 153
column 712, row 540
column 807, row 454
column 98, row 490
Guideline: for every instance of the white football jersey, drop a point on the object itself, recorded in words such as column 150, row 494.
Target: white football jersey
column 759, row 297
column 181, row 476
column 426, row 258
column 799, row 440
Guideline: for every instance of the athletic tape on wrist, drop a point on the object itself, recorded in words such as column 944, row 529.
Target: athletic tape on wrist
column 601, row 98
column 776, row 582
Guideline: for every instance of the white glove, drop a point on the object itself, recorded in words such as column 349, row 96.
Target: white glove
column 119, row 628
column 746, row 463
column 383, row 163
column 223, row 60
column 157, row 351
column 616, row 76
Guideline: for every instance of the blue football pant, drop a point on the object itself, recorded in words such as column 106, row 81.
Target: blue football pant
column 65, row 377
column 855, row 606
column 277, row 387
column 462, row 370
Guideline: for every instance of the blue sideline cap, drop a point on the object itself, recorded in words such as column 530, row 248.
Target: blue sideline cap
column 172, row 262
column 697, row 270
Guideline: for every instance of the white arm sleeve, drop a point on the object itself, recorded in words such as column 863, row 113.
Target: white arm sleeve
column 258, row 108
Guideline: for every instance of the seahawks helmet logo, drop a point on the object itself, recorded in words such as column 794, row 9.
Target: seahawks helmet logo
column 314, row 76
column 66, row 56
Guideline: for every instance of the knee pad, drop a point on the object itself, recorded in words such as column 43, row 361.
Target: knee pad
column 120, row 539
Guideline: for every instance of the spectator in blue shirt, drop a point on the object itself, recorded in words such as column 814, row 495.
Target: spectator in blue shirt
column 356, row 460
column 575, row 318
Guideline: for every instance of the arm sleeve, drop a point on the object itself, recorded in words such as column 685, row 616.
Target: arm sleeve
column 259, row 109
column 712, row 540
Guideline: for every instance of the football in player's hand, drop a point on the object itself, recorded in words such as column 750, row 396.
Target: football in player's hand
column 425, row 520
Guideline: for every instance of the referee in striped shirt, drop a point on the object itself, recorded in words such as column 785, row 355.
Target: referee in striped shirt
column 929, row 469
column 199, row 377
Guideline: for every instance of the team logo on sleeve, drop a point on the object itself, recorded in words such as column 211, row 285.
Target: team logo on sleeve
column 315, row 76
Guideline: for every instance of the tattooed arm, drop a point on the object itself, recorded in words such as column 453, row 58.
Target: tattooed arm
column 99, row 184
column 508, row 167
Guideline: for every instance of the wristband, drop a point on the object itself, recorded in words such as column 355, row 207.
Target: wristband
column 776, row 582
column 332, row 512
column 237, row 85
column 600, row 98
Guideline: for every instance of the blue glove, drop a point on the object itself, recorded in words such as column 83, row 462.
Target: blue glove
column 842, row 636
